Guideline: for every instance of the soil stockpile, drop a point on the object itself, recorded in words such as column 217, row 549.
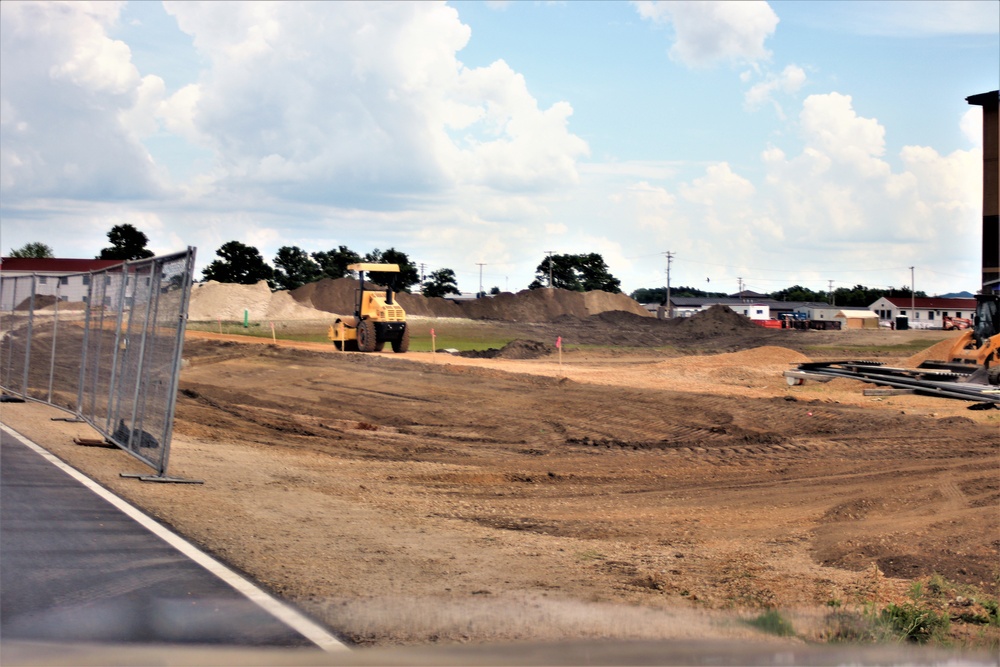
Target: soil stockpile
column 41, row 301
column 715, row 320
column 212, row 300
column 541, row 305
column 338, row 296
column 516, row 349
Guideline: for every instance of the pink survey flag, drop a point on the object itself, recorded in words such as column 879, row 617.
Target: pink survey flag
column 559, row 343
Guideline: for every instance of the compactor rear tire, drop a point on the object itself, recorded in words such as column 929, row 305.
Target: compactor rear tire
column 366, row 336
column 403, row 344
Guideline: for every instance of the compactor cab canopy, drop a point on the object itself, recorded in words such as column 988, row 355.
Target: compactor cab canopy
column 380, row 268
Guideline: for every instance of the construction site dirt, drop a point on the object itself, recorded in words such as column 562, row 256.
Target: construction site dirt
column 643, row 492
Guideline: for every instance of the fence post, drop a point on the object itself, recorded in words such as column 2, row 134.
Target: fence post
column 55, row 339
column 86, row 344
column 182, row 316
column 123, row 289
column 27, row 345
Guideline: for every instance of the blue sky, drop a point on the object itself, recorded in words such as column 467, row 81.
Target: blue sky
column 782, row 143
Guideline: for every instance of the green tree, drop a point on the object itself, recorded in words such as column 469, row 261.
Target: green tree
column 238, row 263
column 34, row 250
column 440, row 283
column 127, row 243
column 659, row 294
column 407, row 276
column 294, row 268
column 494, row 290
column 333, row 264
column 799, row 293
column 580, row 273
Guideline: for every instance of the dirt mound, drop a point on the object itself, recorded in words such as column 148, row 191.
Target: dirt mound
column 541, row 305
column 516, row 349
column 601, row 302
column 338, row 296
column 937, row 352
column 422, row 306
column 715, row 320
column 333, row 296
column 625, row 318
column 226, row 301
column 41, row 301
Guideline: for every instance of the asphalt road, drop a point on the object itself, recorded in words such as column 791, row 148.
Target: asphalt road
column 75, row 568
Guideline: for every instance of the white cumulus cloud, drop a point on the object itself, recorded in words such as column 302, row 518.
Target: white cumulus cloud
column 353, row 102
column 68, row 95
column 709, row 31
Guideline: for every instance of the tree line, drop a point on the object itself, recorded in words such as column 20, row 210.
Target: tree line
column 293, row 267
column 858, row 296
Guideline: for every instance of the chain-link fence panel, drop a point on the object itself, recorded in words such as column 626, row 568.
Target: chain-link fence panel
column 105, row 345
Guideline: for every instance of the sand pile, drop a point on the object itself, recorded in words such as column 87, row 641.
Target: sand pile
column 602, row 302
column 937, row 352
column 715, row 320
column 212, row 300
column 338, row 296
column 41, row 301
column 542, row 305
column 227, row 301
column 546, row 305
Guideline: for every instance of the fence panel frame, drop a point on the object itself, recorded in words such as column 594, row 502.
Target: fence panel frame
column 147, row 331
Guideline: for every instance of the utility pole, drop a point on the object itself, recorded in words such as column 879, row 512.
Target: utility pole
column 913, row 297
column 830, row 291
column 549, row 253
column 740, row 281
column 423, row 267
column 670, row 257
column 480, row 265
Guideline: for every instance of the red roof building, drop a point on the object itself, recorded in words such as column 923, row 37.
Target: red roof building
column 25, row 266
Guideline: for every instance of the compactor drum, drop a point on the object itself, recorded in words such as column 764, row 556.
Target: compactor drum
column 377, row 318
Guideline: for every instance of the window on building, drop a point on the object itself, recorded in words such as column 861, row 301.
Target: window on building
column 916, row 314
column 930, row 314
column 86, row 279
column 902, row 312
column 64, row 280
column 958, row 314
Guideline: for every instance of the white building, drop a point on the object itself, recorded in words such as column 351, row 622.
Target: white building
column 67, row 278
column 922, row 313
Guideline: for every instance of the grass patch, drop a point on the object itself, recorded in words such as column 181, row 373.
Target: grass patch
column 464, row 338
column 773, row 623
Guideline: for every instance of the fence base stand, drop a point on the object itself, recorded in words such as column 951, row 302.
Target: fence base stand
column 163, row 479
column 93, row 442
column 71, row 420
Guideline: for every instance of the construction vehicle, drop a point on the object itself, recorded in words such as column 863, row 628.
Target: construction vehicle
column 978, row 348
column 955, row 323
column 377, row 318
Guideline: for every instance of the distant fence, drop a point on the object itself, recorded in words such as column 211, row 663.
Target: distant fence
column 105, row 346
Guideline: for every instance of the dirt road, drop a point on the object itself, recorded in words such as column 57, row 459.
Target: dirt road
column 413, row 498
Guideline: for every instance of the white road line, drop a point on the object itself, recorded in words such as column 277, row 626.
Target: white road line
column 284, row 613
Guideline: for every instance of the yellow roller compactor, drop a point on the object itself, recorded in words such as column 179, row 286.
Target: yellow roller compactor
column 377, row 318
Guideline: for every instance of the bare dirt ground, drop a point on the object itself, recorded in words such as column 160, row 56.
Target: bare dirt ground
column 420, row 498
